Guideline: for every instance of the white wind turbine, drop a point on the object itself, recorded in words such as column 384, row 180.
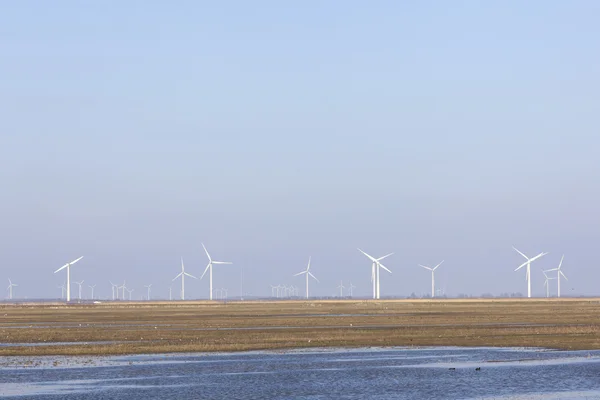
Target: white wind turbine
column 547, row 283
column 183, row 274
column 528, row 264
column 209, row 268
column 558, row 273
column 123, row 288
column 68, row 267
column 341, row 287
column 148, row 287
column 130, row 292
column 307, row 273
column 352, row 287
column 375, row 271
column 113, row 287
column 79, row 283
column 432, row 277
column 10, row 288
column 92, row 287
column 62, row 290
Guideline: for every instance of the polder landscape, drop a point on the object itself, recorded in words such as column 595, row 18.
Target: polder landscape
column 122, row 328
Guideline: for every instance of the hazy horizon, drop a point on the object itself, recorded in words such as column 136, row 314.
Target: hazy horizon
column 271, row 132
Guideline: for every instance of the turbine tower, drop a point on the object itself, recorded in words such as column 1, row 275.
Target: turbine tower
column 375, row 271
column 528, row 264
column 558, row 273
column 209, row 268
column 432, row 277
column 183, row 274
column 9, row 288
column 148, row 287
column 307, row 273
column 68, row 267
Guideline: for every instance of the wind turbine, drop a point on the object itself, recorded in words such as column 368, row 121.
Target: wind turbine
column 62, row 290
column 547, row 283
column 375, row 271
column 170, row 293
column 68, row 267
column 92, row 287
column 528, row 264
column 209, row 267
column 130, row 291
column 113, row 286
column 79, row 283
column 558, row 273
column 307, row 273
column 341, row 287
column 148, row 287
column 351, row 288
column 183, row 274
column 9, row 288
column 432, row 277
column 123, row 288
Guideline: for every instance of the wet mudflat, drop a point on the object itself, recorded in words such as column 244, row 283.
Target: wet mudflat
column 365, row 373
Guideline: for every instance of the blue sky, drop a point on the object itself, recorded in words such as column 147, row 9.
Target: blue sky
column 271, row 131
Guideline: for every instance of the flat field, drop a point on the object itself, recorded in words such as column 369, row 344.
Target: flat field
column 165, row 327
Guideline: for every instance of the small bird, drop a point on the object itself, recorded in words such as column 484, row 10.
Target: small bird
column 452, row 369
column 478, row 369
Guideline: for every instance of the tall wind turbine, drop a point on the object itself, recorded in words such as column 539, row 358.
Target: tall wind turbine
column 547, row 283
column 9, row 288
column 307, row 273
column 183, row 274
column 432, row 277
column 79, row 283
column 92, row 287
column 352, row 287
column 148, row 287
column 130, row 292
column 528, row 264
column 375, row 271
column 341, row 287
column 123, row 288
column 113, row 287
column 62, row 290
column 68, row 267
column 209, row 268
column 558, row 273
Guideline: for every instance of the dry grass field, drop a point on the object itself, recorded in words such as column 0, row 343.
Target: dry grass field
column 155, row 327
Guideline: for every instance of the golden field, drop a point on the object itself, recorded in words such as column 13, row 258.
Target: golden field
column 203, row 326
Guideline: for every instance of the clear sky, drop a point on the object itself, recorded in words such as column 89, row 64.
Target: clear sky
column 130, row 132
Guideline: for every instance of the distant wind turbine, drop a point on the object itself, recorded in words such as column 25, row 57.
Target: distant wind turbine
column 547, row 283
column 183, row 274
column 528, row 264
column 10, row 288
column 375, row 271
column 123, row 289
column 148, row 287
column 209, row 268
column 113, row 287
column 432, row 277
column 68, row 267
column 130, row 292
column 351, row 287
column 341, row 287
column 307, row 273
column 79, row 283
column 92, row 287
column 62, row 290
column 558, row 273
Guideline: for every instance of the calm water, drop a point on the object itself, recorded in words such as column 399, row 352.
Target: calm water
column 391, row 373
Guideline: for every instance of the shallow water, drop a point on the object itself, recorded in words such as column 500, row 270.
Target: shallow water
column 382, row 373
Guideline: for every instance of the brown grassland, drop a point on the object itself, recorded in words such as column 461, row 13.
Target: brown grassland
column 166, row 327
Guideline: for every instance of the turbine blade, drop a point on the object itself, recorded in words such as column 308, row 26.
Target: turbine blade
column 308, row 267
column 561, row 260
column 181, row 273
column 222, row 262
column 424, row 267
column 372, row 259
column 186, row 274
column 206, row 251
column 315, row 278
column 383, row 266
column 61, row 268
column 436, row 267
column 206, row 269
column 386, row 256
column 73, row 262
column 522, row 265
column 517, row 250
column 564, row 276
column 300, row 273
column 538, row 256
